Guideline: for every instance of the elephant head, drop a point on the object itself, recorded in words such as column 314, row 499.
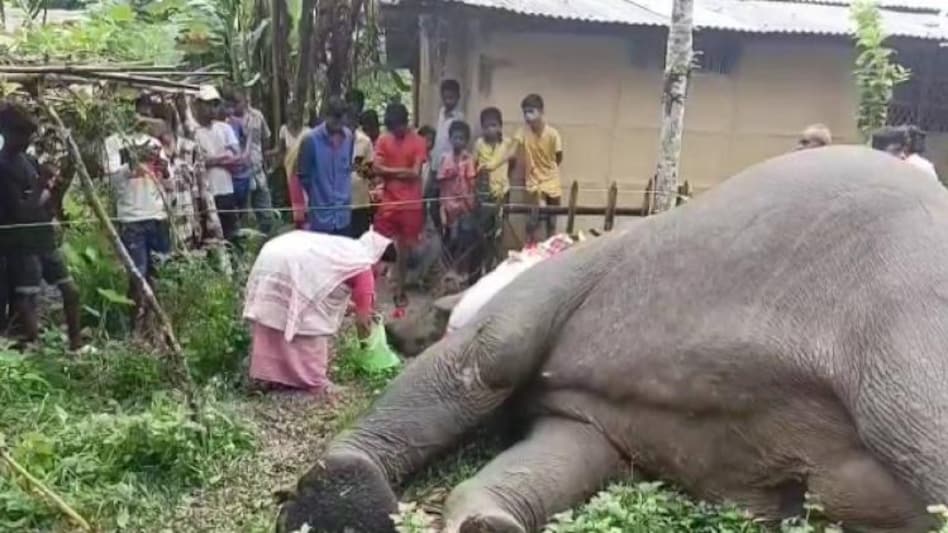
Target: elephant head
column 414, row 334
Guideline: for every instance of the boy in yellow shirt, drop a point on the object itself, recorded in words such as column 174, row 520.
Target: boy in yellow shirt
column 494, row 156
column 543, row 151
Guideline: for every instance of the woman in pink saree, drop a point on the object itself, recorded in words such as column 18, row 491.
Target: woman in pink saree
column 299, row 290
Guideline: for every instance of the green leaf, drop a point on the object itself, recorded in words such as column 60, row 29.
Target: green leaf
column 115, row 297
column 121, row 13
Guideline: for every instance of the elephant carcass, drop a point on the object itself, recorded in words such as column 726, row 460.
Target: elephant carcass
column 783, row 333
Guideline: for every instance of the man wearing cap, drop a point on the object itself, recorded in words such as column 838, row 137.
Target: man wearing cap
column 222, row 154
column 139, row 178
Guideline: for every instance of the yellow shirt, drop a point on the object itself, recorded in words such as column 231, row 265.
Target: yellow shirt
column 496, row 156
column 543, row 173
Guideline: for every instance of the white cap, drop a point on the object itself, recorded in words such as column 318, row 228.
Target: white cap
column 208, row 93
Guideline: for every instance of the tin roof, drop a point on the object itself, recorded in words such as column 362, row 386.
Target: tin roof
column 902, row 18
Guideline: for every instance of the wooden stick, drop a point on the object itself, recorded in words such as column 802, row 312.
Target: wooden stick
column 117, row 69
column 110, row 76
column 180, row 373
column 45, row 491
column 571, row 215
column 610, row 216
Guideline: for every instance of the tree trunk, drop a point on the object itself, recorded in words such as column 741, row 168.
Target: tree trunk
column 304, row 64
column 677, row 71
column 345, row 21
column 278, row 48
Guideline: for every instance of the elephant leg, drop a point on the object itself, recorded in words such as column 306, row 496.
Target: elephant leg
column 451, row 389
column 560, row 463
column 856, row 489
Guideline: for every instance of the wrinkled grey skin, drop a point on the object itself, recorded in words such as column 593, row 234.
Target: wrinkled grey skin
column 785, row 332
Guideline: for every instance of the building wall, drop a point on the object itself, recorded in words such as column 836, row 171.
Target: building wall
column 607, row 108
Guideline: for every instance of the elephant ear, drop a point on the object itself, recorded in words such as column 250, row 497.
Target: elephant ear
column 446, row 304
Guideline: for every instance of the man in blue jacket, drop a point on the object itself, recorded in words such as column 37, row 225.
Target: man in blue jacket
column 325, row 168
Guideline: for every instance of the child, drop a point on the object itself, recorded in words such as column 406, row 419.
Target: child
column 494, row 156
column 456, row 182
column 543, row 148
column 429, row 185
column 449, row 112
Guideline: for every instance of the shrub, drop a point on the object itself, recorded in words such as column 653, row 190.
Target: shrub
column 646, row 507
column 205, row 308
column 103, row 463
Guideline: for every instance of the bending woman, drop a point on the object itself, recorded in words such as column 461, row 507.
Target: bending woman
column 299, row 290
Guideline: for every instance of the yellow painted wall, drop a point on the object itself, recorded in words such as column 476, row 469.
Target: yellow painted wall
column 608, row 112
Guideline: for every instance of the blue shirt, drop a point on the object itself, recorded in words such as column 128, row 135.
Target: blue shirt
column 242, row 171
column 325, row 173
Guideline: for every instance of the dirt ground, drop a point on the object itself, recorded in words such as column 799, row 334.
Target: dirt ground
column 293, row 430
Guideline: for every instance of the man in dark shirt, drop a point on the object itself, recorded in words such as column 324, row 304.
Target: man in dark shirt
column 27, row 236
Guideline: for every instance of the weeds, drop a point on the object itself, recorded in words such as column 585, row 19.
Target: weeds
column 103, row 433
column 205, row 309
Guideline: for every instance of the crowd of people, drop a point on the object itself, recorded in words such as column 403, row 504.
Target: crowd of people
column 360, row 196
column 904, row 142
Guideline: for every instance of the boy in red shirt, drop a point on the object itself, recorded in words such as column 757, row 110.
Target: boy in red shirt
column 399, row 156
column 456, row 187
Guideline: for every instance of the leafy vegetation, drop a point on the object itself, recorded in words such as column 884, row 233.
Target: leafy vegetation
column 876, row 72
column 106, row 434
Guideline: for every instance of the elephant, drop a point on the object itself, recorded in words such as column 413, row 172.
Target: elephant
column 778, row 335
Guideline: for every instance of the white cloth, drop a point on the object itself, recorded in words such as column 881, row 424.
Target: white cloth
column 137, row 194
column 290, row 140
column 297, row 284
column 362, row 148
column 218, row 140
column 442, row 143
column 923, row 164
column 487, row 287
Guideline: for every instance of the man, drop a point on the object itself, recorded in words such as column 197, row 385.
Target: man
column 369, row 120
column 904, row 142
column 914, row 150
column 450, row 111
column 543, row 149
column 139, row 177
column 221, row 154
column 815, row 136
column 256, row 134
column 30, row 251
column 356, row 100
column 362, row 155
column 399, row 156
column 324, row 169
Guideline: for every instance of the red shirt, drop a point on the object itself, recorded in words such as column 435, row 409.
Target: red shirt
column 407, row 152
column 456, row 177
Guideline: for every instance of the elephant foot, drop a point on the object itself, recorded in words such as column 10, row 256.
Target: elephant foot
column 344, row 492
column 491, row 522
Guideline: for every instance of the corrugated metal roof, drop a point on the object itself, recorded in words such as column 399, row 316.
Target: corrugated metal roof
column 920, row 5
column 816, row 17
column 603, row 11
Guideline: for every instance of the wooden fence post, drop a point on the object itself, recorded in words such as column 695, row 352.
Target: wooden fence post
column 180, row 372
column 684, row 193
column 611, row 207
column 571, row 214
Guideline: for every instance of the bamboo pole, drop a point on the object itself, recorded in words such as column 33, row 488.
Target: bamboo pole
column 180, row 373
column 39, row 486
column 90, row 74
